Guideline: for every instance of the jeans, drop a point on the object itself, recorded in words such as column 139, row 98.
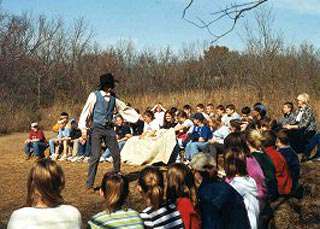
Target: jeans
column 84, row 150
column 109, row 136
column 107, row 152
column 193, row 148
column 312, row 143
column 36, row 147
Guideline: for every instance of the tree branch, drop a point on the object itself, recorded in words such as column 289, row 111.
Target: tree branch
column 233, row 12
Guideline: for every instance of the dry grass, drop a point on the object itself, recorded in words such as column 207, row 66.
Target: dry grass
column 20, row 120
column 239, row 97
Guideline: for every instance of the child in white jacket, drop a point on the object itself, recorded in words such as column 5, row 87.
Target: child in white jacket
column 237, row 177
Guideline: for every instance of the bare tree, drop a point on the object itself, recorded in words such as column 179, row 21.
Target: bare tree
column 233, row 12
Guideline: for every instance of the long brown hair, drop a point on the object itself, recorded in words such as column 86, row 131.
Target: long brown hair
column 45, row 183
column 115, row 189
column 151, row 183
column 180, row 183
column 235, row 163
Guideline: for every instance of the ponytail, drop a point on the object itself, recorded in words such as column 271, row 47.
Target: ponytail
column 255, row 138
column 151, row 182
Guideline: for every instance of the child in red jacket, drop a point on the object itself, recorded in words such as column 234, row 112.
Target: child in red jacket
column 36, row 142
column 182, row 191
column 282, row 172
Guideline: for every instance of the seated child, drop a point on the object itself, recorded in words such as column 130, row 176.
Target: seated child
column 290, row 156
column 60, row 142
column 36, row 142
column 199, row 137
column 230, row 114
column 282, row 172
column 237, row 176
column 220, row 132
column 188, row 109
column 181, row 190
column 221, row 206
column 245, row 112
column 45, row 207
column 288, row 117
column 158, row 214
column 123, row 133
column 115, row 190
column 183, row 128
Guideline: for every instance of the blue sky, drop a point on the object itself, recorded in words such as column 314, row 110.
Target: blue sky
column 155, row 24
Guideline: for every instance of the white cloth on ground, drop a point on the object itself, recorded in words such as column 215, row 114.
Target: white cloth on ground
column 149, row 149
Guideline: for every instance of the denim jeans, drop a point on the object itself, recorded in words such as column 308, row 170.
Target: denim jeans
column 107, row 152
column 52, row 143
column 312, row 143
column 84, row 150
column 35, row 147
column 193, row 148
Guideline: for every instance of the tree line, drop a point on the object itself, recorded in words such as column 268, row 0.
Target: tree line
column 44, row 62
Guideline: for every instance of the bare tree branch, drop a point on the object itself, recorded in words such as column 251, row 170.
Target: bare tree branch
column 232, row 12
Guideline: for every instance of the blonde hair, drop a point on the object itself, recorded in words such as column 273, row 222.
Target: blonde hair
column 254, row 138
column 304, row 97
column 151, row 182
column 45, row 183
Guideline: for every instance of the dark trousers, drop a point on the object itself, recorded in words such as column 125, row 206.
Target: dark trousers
column 215, row 149
column 313, row 142
column 98, row 135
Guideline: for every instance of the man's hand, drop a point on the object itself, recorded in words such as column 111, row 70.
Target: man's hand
column 84, row 133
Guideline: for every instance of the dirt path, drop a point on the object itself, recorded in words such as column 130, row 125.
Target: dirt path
column 14, row 171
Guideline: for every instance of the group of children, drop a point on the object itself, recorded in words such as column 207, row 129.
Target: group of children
column 230, row 167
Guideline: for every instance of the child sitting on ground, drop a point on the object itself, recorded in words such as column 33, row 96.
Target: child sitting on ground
column 36, row 142
column 290, row 156
column 282, row 172
column 115, row 190
column 45, row 207
column 181, row 190
column 158, row 213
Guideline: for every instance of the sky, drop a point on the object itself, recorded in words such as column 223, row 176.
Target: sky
column 156, row 24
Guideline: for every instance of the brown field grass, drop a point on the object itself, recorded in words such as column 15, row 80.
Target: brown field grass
column 239, row 97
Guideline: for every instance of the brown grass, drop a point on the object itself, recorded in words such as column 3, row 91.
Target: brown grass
column 239, row 97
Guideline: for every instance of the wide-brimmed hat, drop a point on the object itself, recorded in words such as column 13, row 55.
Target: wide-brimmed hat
column 107, row 80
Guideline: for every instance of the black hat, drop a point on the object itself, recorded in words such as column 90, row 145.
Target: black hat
column 107, row 80
column 198, row 116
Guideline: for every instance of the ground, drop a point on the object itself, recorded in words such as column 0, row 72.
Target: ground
column 14, row 171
